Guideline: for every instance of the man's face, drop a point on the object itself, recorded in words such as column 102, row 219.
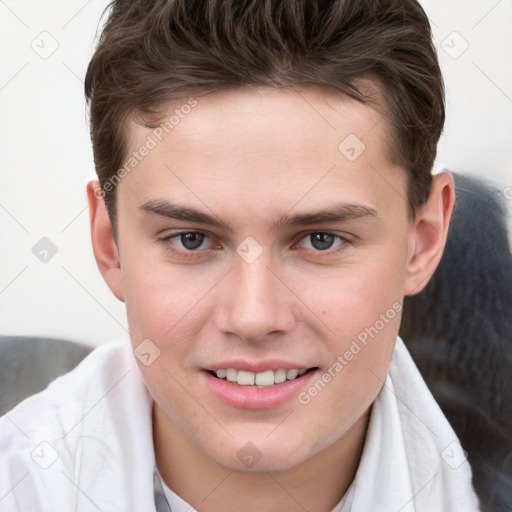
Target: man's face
column 305, row 268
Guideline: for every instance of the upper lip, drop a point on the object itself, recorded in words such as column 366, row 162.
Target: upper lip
column 257, row 366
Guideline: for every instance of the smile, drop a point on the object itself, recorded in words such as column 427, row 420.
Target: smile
column 259, row 380
column 266, row 389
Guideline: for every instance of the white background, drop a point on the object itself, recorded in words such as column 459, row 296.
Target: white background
column 46, row 158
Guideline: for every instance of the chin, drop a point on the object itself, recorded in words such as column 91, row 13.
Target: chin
column 263, row 451
column 269, row 462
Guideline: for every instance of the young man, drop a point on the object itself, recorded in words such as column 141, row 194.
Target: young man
column 265, row 201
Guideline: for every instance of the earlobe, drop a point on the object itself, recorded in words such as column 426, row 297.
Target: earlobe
column 428, row 233
column 103, row 242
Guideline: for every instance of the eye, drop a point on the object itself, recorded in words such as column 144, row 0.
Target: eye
column 186, row 244
column 322, row 241
column 191, row 241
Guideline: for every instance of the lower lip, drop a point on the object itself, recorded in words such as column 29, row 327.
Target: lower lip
column 247, row 397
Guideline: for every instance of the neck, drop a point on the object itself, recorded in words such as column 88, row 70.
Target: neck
column 317, row 483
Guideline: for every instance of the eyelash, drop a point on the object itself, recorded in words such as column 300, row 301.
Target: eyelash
column 193, row 253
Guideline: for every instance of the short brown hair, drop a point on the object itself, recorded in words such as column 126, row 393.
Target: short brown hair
column 154, row 51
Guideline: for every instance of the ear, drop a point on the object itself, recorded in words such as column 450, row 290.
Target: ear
column 429, row 230
column 103, row 242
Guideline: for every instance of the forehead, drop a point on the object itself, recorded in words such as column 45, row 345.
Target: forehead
column 264, row 143
column 306, row 115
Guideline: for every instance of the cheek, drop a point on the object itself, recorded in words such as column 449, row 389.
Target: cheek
column 353, row 297
column 161, row 301
column 361, row 312
column 352, row 379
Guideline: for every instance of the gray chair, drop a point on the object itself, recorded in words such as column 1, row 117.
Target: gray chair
column 29, row 364
column 459, row 333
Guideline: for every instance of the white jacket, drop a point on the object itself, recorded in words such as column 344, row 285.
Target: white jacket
column 85, row 445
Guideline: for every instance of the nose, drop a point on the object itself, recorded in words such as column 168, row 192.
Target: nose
column 254, row 302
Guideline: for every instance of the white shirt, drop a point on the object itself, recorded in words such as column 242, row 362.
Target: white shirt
column 85, row 444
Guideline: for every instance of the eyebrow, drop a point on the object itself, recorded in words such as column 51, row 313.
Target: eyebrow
column 341, row 212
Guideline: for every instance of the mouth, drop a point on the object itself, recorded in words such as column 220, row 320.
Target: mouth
column 261, row 380
column 267, row 389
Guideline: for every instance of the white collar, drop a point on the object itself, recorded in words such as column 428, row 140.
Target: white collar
column 95, row 425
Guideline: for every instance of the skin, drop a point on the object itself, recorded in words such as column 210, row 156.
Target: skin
column 248, row 157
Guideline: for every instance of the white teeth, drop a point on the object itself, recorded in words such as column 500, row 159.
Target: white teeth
column 291, row 374
column 267, row 378
column 231, row 374
column 279, row 376
column 245, row 378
